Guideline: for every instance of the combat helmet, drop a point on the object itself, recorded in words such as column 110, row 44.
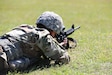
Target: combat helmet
column 51, row 21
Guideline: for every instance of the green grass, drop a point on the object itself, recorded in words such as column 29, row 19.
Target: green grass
column 93, row 55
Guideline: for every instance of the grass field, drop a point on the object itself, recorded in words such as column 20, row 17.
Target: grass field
column 93, row 55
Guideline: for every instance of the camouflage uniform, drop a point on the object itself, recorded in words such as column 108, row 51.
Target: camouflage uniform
column 27, row 42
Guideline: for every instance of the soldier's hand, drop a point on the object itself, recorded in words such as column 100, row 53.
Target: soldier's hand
column 64, row 43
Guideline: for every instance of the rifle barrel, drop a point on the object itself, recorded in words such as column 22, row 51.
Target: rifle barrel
column 71, row 30
column 77, row 28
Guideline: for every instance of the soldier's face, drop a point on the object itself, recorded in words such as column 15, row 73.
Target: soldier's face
column 53, row 33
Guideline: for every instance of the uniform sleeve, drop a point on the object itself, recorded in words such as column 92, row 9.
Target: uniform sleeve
column 50, row 47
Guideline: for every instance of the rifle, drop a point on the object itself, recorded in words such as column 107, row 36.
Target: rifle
column 60, row 37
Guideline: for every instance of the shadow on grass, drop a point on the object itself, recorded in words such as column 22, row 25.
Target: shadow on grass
column 39, row 65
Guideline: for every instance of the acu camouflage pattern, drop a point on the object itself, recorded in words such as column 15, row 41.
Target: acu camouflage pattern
column 27, row 41
column 51, row 21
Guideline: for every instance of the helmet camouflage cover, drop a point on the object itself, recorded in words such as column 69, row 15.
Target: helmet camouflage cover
column 51, row 21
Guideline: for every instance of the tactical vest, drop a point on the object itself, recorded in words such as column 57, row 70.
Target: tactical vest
column 20, row 42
